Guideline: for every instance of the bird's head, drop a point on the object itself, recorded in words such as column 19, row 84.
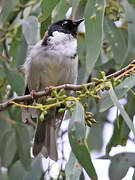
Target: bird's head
column 66, row 26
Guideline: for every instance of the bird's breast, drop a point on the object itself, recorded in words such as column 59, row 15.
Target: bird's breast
column 53, row 65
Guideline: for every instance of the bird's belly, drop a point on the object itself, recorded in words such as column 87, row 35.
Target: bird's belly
column 57, row 71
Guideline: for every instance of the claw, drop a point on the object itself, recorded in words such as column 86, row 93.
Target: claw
column 33, row 94
column 48, row 90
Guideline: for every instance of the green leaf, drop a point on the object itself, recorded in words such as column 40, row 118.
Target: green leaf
column 44, row 26
column 8, row 148
column 6, row 9
column 4, row 124
column 116, row 40
column 106, row 66
column 130, row 14
column 131, row 1
column 18, row 49
column 23, row 145
column 62, row 8
column 120, row 164
column 14, row 79
column 76, row 133
column 73, row 168
column 122, row 111
column 120, row 91
column 94, row 15
column 93, row 142
column 47, row 7
column 36, row 171
column 30, row 30
column 121, row 130
column 75, row 4
column 117, row 138
column 17, row 172
column 15, row 114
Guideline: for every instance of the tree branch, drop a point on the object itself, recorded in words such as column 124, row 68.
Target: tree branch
column 117, row 75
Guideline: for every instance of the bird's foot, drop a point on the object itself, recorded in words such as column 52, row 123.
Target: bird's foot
column 48, row 90
column 33, row 94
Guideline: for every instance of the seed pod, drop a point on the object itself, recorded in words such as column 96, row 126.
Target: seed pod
column 61, row 110
column 96, row 80
column 93, row 120
column 85, row 106
column 50, row 100
column 63, row 97
column 84, row 88
column 78, row 92
column 61, row 92
column 103, row 75
column 42, row 116
column 54, row 92
column 88, row 123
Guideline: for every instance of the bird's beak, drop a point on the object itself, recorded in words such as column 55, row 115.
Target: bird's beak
column 77, row 22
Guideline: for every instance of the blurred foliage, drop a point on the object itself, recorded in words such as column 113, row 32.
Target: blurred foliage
column 107, row 45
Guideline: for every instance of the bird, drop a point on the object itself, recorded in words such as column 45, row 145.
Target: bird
column 52, row 61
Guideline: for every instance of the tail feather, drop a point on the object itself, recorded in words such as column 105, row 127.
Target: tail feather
column 45, row 137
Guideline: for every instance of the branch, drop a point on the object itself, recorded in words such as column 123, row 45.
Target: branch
column 117, row 75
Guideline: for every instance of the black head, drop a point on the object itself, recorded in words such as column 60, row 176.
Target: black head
column 67, row 26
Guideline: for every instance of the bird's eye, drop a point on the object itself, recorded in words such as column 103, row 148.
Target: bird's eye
column 64, row 23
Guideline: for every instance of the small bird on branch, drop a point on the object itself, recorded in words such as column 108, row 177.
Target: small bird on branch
column 53, row 61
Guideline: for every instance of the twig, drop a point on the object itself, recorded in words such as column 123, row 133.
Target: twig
column 113, row 75
column 117, row 75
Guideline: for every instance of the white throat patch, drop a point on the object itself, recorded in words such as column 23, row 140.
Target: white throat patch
column 58, row 37
column 63, row 43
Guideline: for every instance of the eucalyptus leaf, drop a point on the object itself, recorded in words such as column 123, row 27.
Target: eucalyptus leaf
column 116, row 40
column 120, row 91
column 76, row 133
column 120, row 163
column 73, row 168
column 105, row 66
column 23, row 145
column 131, row 1
column 17, row 171
column 36, row 171
column 94, row 16
column 18, row 49
column 14, row 79
column 8, row 148
column 47, row 7
column 7, row 8
column 62, row 8
column 130, row 13
column 96, row 131
column 30, row 28
column 122, row 110
column 75, row 4
column 44, row 26
column 120, row 134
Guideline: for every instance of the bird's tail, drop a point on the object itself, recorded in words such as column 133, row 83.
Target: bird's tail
column 45, row 136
